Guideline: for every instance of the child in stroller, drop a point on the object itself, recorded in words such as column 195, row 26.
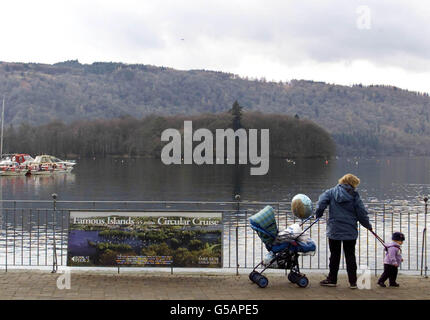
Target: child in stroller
column 284, row 250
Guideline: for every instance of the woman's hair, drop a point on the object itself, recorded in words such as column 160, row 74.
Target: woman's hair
column 350, row 179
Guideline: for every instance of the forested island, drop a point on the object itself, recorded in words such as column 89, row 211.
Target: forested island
column 290, row 137
column 363, row 120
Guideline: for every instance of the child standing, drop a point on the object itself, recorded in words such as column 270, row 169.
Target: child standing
column 392, row 260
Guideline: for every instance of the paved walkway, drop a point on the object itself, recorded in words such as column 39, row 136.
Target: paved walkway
column 24, row 284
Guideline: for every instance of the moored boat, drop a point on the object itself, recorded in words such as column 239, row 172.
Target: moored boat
column 46, row 164
column 9, row 167
column 22, row 164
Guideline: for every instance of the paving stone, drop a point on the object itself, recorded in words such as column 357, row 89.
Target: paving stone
column 159, row 286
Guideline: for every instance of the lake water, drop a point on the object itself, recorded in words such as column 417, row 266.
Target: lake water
column 383, row 179
column 393, row 180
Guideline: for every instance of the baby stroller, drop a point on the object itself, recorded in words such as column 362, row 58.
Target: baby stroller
column 285, row 254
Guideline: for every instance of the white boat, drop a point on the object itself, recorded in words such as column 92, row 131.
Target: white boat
column 46, row 164
column 67, row 165
column 8, row 167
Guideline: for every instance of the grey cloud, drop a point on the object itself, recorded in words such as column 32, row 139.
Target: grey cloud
column 291, row 32
column 329, row 34
column 119, row 29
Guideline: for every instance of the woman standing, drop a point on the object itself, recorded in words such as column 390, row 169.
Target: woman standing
column 345, row 210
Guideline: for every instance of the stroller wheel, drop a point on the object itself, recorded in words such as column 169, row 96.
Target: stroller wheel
column 262, row 281
column 303, row 282
column 252, row 275
column 255, row 276
column 293, row 277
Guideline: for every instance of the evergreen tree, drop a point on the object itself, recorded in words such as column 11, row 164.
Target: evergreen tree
column 236, row 111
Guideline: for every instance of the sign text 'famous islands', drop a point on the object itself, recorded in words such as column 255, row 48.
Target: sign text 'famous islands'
column 179, row 221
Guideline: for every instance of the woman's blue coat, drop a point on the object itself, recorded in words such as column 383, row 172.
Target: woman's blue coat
column 345, row 210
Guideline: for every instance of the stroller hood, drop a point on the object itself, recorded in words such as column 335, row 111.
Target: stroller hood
column 264, row 223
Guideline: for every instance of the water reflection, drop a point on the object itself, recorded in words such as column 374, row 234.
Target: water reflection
column 30, row 187
column 237, row 181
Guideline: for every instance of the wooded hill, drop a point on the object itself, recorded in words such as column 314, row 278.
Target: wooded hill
column 362, row 119
column 127, row 136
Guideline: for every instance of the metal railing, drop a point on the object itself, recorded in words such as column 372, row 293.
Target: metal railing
column 35, row 233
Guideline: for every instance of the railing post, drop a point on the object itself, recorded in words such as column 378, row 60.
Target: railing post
column 376, row 248
column 425, row 236
column 237, row 198
column 7, row 230
column 54, row 252
column 237, row 250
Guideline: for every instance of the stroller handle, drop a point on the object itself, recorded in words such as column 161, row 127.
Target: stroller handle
column 310, row 226
column 306, row 220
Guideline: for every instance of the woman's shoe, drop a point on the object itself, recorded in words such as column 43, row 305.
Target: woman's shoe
column 381, row 284
column 328, row 283
column 394, row 285
column 353, row 286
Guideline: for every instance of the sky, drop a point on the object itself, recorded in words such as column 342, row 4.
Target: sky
column 342, row 42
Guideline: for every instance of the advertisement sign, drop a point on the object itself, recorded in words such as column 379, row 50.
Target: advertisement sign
column 179, row 239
